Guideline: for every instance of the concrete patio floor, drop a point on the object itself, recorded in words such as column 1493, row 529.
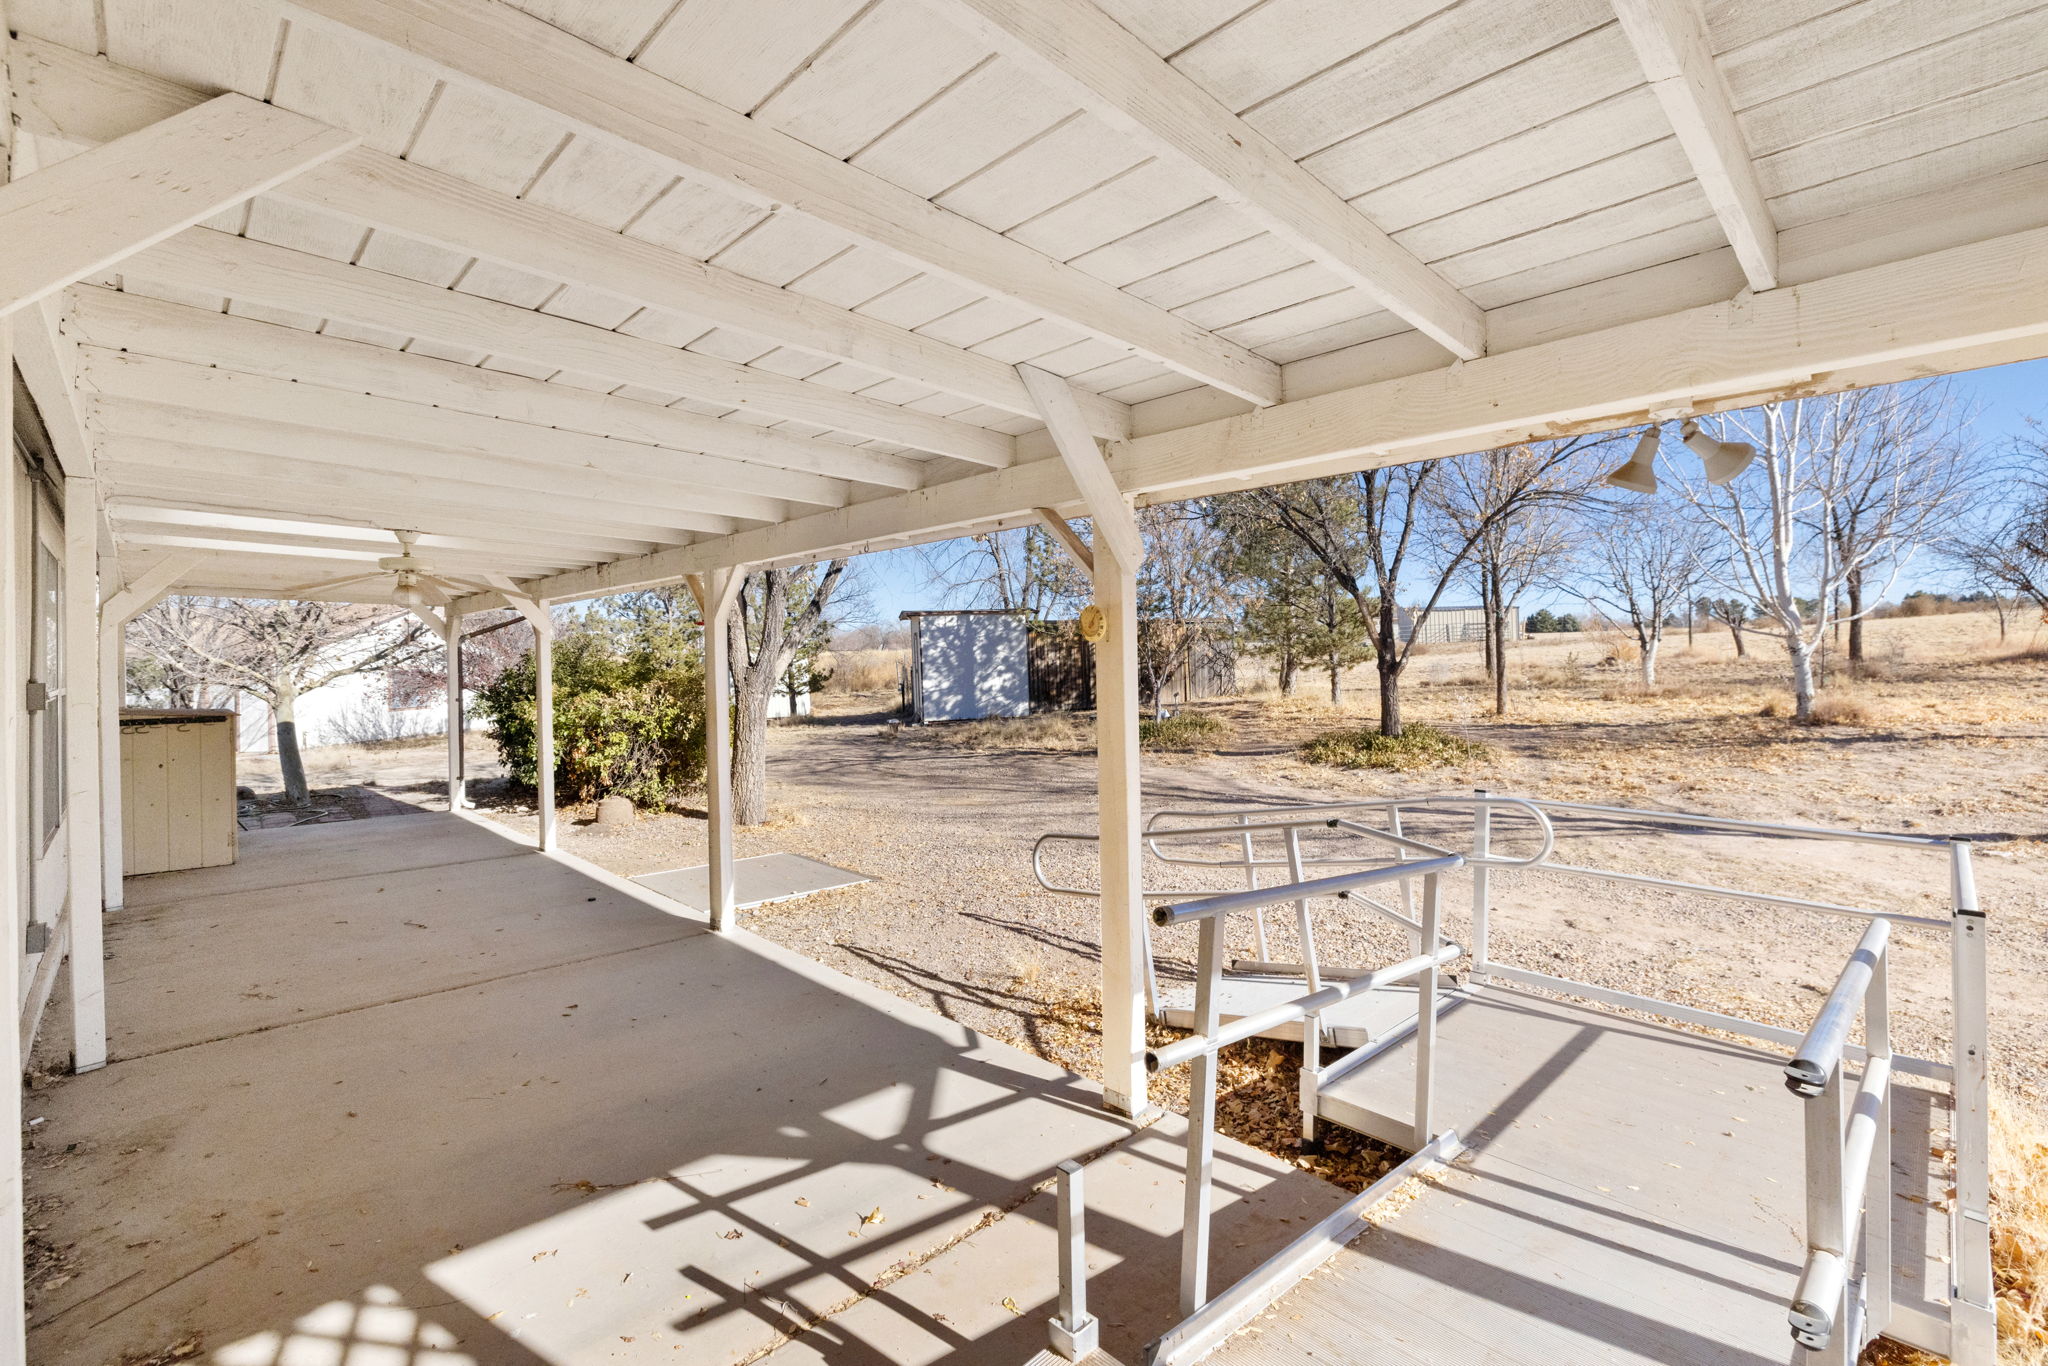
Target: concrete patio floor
column 406, row 1093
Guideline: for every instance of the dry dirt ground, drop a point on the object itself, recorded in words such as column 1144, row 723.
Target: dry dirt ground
column 1955, row 741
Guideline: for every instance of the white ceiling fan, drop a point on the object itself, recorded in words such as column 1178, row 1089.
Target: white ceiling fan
column 416, row 584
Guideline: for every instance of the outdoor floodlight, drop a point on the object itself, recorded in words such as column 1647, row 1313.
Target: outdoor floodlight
column 1722, row 460
column 1639, row 475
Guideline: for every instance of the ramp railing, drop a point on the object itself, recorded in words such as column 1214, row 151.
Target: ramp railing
column 1844, row 1292
column 1207, row 1320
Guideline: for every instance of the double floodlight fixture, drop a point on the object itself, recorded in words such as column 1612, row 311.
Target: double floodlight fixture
column 1721, row 460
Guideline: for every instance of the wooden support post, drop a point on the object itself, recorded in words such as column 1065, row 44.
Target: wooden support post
column 113, row 693
column 1118, row 552
column 716, row 592
column 82, row 852
column 456, row 782
column 13, row 826
column 544, row 726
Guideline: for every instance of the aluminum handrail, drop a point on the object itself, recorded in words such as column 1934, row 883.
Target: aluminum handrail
column 1301, row 1007
column 1820, row 1052
column 1815, row 832
column 1223, row 904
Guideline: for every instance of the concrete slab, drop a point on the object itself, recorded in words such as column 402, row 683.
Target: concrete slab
column 952, row 1308
column 757, row 881
column 688, row 1149
column 201, row 959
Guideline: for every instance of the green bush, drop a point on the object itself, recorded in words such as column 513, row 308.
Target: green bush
column 1417, row 746
column 629, row 715
column 1187, row 730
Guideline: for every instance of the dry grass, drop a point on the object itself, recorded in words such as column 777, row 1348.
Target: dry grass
column 1418, row 746
column 1046, row 730
column 1188, row 730
column 2019, row 1242
column 862, row 671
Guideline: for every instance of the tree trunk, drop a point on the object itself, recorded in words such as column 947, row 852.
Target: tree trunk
column 1735, row 629
column 1500, row 664
column 1489, row 612
column 1287, row 668
column 1802, row 678
column 1336, row 667
column 1855, row 616
column 749, row 755
column 1390, row 699
column 1998, row 604
column 1648, row 642
column 293, row 769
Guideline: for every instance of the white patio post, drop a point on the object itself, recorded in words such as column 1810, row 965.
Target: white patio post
column 544, row 725
column 455, row 769
column 716, row 592
column 13, row 837
column 113, row 693
column 82, row 852
column 1116, row 556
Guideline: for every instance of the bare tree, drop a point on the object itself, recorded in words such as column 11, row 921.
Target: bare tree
column 278, row 651
column 1018, row 569
column 1641, row 564
column 1511, row 501
column 778, row 620
column 2007, row 550
column 1182, row 590
column 1371, row 529
column 1895, row 454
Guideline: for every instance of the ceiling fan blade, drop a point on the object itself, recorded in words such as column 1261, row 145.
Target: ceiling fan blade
column 302, row 589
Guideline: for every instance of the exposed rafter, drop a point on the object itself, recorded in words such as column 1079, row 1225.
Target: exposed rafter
column 85, row 100
column 131, row 322
column 80, row 216
column 1926, row 315
column 492, row 44
column 1671, row 43
column 228, row 393
column 363, row 534
column 260, row 272
column 1079, row 50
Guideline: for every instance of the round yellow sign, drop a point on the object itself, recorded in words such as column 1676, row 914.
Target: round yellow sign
column 1094, row 624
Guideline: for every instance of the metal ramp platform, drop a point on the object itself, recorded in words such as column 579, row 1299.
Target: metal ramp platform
column 1367, row 1018
column 1631, row 1193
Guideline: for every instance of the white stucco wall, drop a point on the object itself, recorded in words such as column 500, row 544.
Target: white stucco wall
column 971, row 665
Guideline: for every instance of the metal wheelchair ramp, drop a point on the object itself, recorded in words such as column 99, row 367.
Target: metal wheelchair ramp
column 1630, row 1193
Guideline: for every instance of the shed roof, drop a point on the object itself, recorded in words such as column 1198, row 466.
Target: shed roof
column 598, row 294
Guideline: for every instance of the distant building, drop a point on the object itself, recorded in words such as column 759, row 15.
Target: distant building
column 1451, row 625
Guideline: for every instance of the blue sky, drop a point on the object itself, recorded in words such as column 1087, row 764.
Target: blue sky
column 2005, row 397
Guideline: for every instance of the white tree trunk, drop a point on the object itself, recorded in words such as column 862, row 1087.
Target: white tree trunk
column 1801, row 651
column 1650, row 644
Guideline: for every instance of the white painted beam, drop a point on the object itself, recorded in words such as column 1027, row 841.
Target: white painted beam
column 121, row 422
column 1115, row 527
column 47, row 361
column 457, row 778
column 89, row 212
column 364, row 535
column 228, row 393
column 544, row 727
column 1081, row 51
column 86, row 99
column 494, row 45
column 1933, row 314
column 528, row 564
column 716, row 592
column 130, row 322
column 82, row 770
column 1670, row 40
column 1063, row 531
column 146, row 590
column 259, row 272
column 197, row 477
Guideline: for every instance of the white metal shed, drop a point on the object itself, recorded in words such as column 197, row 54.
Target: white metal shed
column 967, row 665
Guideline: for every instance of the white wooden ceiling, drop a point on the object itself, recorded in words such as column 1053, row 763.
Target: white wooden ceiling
column 493, row 323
